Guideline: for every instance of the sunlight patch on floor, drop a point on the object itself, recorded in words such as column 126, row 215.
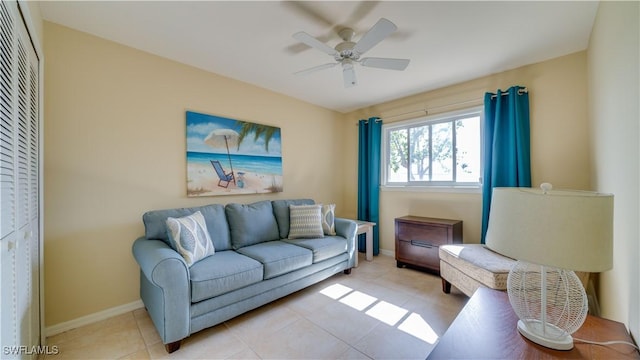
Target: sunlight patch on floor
column 388, row 313
column 358, row 300
column 336, row 291
column 416, row 326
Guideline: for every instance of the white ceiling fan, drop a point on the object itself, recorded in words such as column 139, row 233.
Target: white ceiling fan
column 348, row 53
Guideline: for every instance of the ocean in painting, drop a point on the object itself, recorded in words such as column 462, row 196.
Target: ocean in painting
column 245, row 163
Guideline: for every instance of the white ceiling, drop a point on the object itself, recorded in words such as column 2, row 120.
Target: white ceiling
column 447, row 42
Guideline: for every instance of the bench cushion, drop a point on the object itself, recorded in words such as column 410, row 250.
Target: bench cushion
column 278, row 257
column 479, row 263
column 221, row 273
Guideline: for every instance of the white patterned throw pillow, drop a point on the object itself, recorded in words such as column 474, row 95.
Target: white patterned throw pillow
column 191, row 237
column 328, row 219
column 305, row 221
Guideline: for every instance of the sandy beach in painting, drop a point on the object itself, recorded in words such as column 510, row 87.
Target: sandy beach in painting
column 203, row 181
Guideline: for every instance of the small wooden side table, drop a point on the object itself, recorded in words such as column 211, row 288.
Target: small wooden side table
column 486, row 328
column 366, row 227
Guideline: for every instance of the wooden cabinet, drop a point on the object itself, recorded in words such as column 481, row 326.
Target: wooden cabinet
column 418, row 240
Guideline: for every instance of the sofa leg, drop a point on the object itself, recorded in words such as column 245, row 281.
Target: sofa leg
column 171, row 347
column 446, row 286
column 347, row 271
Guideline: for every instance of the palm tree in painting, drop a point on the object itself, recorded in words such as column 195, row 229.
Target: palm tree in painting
column 247, row 128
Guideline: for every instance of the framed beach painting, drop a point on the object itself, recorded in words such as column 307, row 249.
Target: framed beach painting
column 232, row 157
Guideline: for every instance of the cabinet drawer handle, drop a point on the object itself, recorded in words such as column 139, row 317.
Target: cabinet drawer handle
column 422, row 244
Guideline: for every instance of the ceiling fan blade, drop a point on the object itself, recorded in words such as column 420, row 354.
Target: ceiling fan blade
column 315, row 68
column 385, row 63
column 361, row 11
column 377, row 33
column 349, row 75
column 314, row 43
column 304, row 8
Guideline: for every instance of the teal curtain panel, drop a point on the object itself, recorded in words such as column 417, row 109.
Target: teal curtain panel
column 505, row 145
column 369, row 141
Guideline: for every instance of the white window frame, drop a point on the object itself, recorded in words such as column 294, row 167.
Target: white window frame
column 450, row 116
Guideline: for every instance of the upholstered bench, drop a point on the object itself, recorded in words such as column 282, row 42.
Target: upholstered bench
column 470, row 266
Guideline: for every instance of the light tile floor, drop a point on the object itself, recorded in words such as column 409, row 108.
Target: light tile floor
column 376, row 312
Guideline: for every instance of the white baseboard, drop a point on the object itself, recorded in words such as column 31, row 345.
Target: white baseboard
column 384, row 252
column 388, row 252
column 92, row 318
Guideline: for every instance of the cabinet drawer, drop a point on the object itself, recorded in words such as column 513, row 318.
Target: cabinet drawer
column 418, row 253
column 434, row 235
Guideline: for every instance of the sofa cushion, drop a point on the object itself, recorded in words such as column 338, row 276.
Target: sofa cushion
column 190, row 237
column 281, row 211
column 278, row 257
column 305, row 221
column 224, row 272
column 328, row 219
column 322, row 248
column 155, row 224
column 251, row 223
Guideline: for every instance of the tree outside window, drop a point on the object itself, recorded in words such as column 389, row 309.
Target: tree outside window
column 442, row 151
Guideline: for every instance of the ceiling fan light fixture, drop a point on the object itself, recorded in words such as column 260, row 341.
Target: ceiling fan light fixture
column 347, row 64
column 345, row 51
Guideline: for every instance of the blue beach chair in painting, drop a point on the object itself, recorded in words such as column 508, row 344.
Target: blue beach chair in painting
column 224, row 177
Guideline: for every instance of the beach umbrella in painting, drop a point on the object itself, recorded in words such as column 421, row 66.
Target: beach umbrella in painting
column 223, row 138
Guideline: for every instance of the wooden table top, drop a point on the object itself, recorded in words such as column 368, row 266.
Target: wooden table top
column 486, row 329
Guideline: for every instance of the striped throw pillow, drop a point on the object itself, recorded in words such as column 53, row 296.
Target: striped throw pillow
column 305, row 221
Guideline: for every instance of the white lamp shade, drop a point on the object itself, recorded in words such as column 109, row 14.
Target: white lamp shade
column 560, row 228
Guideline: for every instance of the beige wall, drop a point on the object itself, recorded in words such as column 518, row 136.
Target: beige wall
column 115, row 148
column 613, row 62
column 559, row 141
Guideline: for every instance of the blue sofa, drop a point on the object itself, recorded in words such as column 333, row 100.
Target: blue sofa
column 254, row 263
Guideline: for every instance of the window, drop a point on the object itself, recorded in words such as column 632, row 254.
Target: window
column 442, row 150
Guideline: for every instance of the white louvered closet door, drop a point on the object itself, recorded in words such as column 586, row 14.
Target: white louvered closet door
column 19, row 188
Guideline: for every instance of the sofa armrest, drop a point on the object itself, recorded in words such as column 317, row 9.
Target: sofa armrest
column 164, row 288
column 347, row 229
column 150, row 255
